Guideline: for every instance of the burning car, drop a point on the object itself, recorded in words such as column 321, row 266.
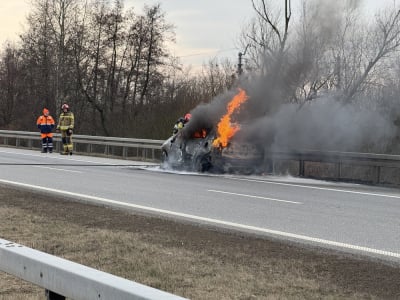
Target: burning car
column 199, row 153
column 213, row 148
column 191, row 154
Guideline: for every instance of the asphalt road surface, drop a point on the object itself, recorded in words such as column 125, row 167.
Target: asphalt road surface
column 349, row 217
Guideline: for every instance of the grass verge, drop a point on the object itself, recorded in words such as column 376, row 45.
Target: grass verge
column 187, row 260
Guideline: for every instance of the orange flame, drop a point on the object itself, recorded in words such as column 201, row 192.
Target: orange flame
column 226, row 130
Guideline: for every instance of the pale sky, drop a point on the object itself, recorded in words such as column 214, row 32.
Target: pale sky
column 205, row 29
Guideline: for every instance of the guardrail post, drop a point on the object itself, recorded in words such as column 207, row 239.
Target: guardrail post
column 301, row 168
column 53, row 296
column 339, row 170
column 378, row 174
column 124, row 152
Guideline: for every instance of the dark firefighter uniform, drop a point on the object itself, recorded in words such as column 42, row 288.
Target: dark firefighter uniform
column 45, row 123
column 66, row 126
column 181, row 123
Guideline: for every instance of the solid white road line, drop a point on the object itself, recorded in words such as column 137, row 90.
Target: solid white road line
column 213, row 221
column 252, row 196
column 314, row 187
column 65, row 158
column 57, row 169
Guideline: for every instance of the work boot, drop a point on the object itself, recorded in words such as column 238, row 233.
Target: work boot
column 70, row 152
column 44, row 150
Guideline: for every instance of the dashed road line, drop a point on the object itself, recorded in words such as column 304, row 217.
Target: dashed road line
column 315, row 188
column 253, row 196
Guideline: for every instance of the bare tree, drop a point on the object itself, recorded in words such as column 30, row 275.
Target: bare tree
column 9, row 75
column 61, row 22
column 382, row 41
column 267, row 35
column 38, row 54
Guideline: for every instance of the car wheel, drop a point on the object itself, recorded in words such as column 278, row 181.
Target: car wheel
column 164, row 156
column 164, row 160
column 203, row 163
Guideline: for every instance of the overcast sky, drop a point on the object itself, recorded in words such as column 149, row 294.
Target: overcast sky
column 205, row 29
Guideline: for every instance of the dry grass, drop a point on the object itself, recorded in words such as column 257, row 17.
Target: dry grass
column 186, row 260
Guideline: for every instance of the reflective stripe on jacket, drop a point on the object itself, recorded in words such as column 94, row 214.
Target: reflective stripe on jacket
column 66, row 121
column 45, row 124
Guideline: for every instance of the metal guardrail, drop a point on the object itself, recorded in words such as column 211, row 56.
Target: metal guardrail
column 68, row 279
column 381, row 168
column 128, row 148
column 353, row 166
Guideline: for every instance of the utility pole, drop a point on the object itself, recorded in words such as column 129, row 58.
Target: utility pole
column 240, row 64
column 240, row 70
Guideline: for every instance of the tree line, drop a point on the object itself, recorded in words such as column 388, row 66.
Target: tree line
column 111, row 65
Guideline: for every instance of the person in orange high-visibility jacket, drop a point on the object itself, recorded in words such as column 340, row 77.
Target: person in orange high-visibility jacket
column 66, row 125
column 45, row 123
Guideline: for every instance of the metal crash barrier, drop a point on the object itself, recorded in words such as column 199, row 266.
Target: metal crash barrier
column 62, row 278
column 342, row 166
column 127, row 148
column 368, row 168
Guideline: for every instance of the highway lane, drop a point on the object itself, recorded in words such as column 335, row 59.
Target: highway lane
column 350, row 217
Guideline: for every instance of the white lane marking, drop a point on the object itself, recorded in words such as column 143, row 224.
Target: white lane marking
column 314, row 187
column 65, row 158
column 252, row 196
column 213, row 221
column 57, row 169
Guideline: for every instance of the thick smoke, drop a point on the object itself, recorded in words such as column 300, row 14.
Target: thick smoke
column 325, row 124
column 268, row 121
column 206, row 116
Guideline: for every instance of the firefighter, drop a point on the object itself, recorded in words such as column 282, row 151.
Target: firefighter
column 45, row 123
column 181, row 123
column 66, row 126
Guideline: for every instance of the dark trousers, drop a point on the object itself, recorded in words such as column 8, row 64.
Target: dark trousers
column 47, row 144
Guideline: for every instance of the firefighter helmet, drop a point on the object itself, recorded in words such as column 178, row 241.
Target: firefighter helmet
column 65, row 106
column 187, row 117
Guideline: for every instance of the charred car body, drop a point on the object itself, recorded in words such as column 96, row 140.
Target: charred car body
column 189, row 154
column 197, row 152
